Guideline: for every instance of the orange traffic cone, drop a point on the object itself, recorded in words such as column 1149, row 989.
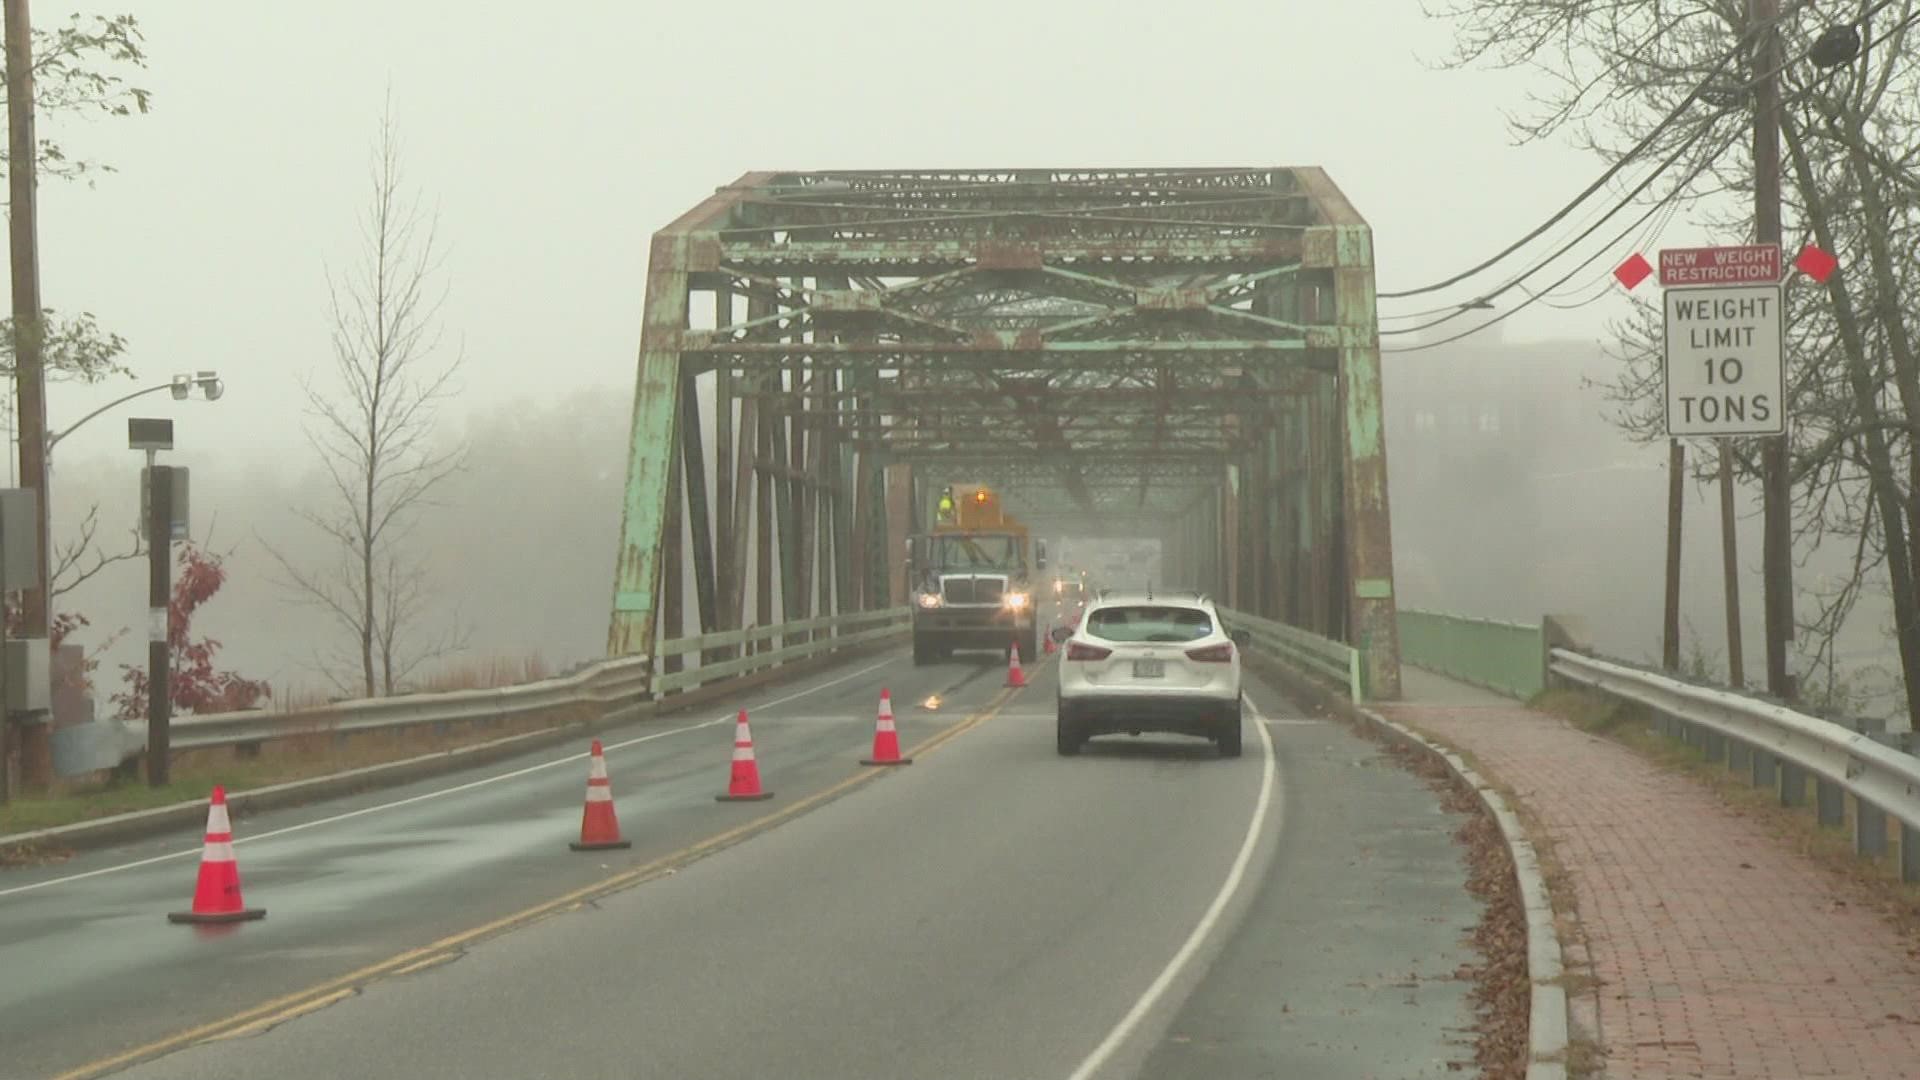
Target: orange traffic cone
column 599, row 829
column 886, row 738
column 1015, row 677
column 216, row 898
column 744, row 785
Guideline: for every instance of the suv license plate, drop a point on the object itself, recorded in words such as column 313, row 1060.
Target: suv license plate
column 1149, row 669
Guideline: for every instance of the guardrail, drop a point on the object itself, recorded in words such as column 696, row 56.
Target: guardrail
column 1335, row 660
column 1507, row 658
column 609, row 687
column 1777, row 747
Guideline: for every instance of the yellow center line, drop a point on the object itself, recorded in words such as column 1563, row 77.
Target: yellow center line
column 302, row 1009
column 283, row 1008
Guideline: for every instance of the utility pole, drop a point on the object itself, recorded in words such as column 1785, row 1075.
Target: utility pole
column 1777, row 538
column 29, row 378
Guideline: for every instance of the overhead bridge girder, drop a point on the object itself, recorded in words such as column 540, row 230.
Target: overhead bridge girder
column 1187, row 353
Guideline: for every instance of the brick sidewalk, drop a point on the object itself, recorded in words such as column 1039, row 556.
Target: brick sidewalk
column 1719, row 951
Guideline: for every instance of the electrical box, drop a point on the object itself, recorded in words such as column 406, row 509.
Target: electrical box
column 19, row 539
column 29, row 675
column 180, row 517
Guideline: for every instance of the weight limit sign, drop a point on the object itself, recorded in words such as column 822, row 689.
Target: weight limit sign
column 1725, row 370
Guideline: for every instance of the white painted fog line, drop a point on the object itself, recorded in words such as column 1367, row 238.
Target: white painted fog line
column 1208, row 920
column 425, row 796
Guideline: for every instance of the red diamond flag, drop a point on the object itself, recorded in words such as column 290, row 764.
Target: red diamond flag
column 1815, row 263
column 1633, row 271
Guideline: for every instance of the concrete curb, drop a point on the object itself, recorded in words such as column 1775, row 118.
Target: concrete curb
column 1547, row 1020
column 1547, row 1027
column 141, row 824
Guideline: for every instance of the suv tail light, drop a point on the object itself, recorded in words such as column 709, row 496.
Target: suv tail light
column 1077, row 650
column 1212, row 654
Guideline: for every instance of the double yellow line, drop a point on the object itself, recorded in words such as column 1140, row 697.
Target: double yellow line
column 287, row 1007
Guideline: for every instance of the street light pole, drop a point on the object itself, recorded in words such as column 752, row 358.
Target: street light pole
column 208, row 382
column 1777, row 535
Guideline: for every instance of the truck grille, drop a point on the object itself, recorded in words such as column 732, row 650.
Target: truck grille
column 966, row 591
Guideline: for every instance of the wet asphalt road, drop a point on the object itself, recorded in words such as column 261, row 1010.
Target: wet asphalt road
column 991, row 911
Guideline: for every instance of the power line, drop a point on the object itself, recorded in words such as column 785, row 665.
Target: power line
column 1631, row 196
column 1589, row 261
column 1739, row 48
column 1666, row 202
column 1613, row 170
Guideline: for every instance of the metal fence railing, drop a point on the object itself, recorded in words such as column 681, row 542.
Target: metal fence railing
column 1505, row 657
column 607, row 688
column 1777, row 747
column 1325, row 657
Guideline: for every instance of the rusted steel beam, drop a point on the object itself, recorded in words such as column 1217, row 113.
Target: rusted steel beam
column 726, row 569
column 672, row 615
column 694, row 481
column 676, row 253
column 1344, row 246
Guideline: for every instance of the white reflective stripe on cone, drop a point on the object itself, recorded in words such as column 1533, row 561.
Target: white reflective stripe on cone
column 599, row 794
column 220, row 852
column 886, row 723
column 217, row 820
column 743, row 753
column 598, row 771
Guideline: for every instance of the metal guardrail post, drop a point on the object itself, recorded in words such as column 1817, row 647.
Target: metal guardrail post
column 1355, row 688
column 1785, row 750
column 1793, row 785
column 1869, row 830
column 1831, row 803
column 1870, row 821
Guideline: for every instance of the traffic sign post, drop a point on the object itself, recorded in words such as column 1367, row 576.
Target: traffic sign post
column 1725, row 369
column 1725, row 375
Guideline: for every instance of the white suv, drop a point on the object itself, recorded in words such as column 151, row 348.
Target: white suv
column 1150, row 662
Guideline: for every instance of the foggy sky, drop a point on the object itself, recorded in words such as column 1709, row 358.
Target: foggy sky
column 554, row 140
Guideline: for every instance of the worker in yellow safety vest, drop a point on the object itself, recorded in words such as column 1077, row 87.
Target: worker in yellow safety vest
column 946, row 506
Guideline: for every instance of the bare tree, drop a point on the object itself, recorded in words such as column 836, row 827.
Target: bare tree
column 1850, row 132
column 374, row 430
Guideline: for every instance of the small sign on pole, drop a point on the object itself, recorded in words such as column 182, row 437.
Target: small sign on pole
column 1750, row 264
column 1725, row 370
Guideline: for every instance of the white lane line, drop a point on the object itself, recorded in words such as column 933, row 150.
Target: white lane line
column 457, row 788
column 1157, row 989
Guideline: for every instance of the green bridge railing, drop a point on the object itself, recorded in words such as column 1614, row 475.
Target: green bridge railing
column 1507, row 658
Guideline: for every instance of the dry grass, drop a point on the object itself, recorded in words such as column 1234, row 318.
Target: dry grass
column 297, row 757
column 475, row 674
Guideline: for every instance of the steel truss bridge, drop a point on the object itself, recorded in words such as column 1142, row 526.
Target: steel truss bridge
column 1188, row 354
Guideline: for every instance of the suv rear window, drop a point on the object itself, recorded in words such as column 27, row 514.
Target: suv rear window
column 1149, row 624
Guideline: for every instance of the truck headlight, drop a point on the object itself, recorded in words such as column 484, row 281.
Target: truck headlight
column 929, row 600
column 1017, row 601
